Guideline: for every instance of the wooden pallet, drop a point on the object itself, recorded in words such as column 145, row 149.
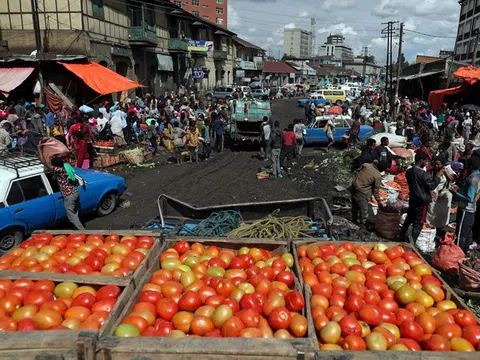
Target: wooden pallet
column 379, row 355
column 110, row 347
column 60, row 344
column 150, row 259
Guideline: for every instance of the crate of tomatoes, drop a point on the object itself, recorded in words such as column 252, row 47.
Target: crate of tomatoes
column 57, row 320
column 102, row 257
column 215, row 299
column 381, row 297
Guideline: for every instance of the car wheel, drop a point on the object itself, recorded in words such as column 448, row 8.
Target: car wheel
column 107, row 204
column 339, row 102
column 10, row 239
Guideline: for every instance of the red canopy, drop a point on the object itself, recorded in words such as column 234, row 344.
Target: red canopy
column 468, row 73
column 437, row 98
column 101, row 79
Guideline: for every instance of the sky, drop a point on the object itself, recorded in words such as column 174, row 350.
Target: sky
column 360, row 21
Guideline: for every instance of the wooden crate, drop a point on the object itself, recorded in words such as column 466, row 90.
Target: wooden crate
column 105, row 160
column 60, row 344
column 148, row 262
column 110, row 347
column 379, row 355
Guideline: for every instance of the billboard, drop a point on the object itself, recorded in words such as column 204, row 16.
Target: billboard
column 200, row 45
column 200, row 72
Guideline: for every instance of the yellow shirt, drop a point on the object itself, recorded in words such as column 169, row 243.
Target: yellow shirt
column 193, row 138
column 58, row 130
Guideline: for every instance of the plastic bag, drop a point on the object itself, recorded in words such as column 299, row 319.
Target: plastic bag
column 468, row 278
column 448, row 255
column 387, row 223
column 426, row 240
column 402, row 152
column 50, row 147
column 394, row 140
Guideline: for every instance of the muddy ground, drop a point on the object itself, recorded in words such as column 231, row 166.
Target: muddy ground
column 226, row 178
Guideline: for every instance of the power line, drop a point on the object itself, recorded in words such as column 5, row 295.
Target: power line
column 430, row 35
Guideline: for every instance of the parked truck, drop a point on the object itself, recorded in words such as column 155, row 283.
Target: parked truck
column 247, row 118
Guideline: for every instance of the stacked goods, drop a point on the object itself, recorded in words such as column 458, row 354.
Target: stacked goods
column 82, row 254
column 392, row 189
column 369, row 297
column 27, row 305
column 401, row 180
column 211, row 291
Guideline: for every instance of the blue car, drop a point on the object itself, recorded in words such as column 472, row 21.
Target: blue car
column 315, row 99
column 316, row 135
column 30, row 198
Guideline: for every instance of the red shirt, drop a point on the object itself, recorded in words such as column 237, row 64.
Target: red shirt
column 290, row 138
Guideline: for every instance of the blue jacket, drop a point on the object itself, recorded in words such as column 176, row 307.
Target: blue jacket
column 469, row 193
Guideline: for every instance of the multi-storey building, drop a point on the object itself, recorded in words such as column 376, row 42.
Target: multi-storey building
column 468, row 30
column 335, row 48
column 214, row 11
column 297, row 43
column 150, row 41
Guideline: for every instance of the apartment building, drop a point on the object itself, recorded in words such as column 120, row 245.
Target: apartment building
column 468, row 31
column 297, row 43
column 214, row 11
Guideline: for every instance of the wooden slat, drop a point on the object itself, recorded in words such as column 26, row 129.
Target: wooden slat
column 80, row 279
column 110, row 347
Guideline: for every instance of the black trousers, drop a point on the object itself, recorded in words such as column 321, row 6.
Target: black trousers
column 287, row 153
column 359, row 207
column 219, row 143
column 416, row 216
column 476, row 226
column 465, row 221
column 153, row 140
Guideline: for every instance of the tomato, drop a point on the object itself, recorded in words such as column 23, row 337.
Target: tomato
column 47, row 318
column 427, row 322
column 354, row 343
column 152, row 297
column 250, row 301
column 166, row 308
column 201, row 325
column 214, row 300
column 434, row 291
column 443, row 318
column 100, row 316
column 330, row 333
column 232, row 327
column 387, row 334
column 65, row 289
column 44, row 285
column 472, row 334
column 371, row 314
column 95, row 262
column 25, row 312
column 323, row 289
column 249, row 317
column 350, row 326
column 84, row 299
column 10, row 303
column 7, row 324
column 465, row 318
column 27, row 325
column 104, row 305
column 294, row 301
column 171, row 289
column 403, row 315
column 337, row 300
column 436, row 343
column 286, row 277
column 232, row 303
column 430, row 279
column 411, row 330
column 139, row 322
column 182, row 320
column 279, row 318
column 189, row 301
column 126, row 330
column 357, row 290
column 388, row 305
column 449, row 331
column 56, row 305
column 372, row 297
column 354, row 303
column 298, row 326
column 146, row 242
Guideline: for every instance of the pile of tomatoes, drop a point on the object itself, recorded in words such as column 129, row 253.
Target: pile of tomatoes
column 205, row 291
column 27, row 305
column 82, row 254
column 381, row 299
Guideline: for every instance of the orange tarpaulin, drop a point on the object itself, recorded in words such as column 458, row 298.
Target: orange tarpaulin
column 104, row 81
column 468, row 73
column 437, row 98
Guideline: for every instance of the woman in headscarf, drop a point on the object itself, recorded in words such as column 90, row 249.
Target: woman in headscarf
column 116, row 126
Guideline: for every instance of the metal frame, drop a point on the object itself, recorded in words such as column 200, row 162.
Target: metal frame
column 19, row 162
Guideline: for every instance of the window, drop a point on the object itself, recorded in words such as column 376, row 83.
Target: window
column 97, row 8
column 196, row 3
column 205, row 6
column 220, row 21
column 26, row 189
column 220, row 11
column 205, row 16
column 195, row 13
column 53, row 182
column 220, row 2
column 178, row 3
column 338, row 93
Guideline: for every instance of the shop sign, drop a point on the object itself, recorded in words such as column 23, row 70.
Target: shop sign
column 240, row 73
column 200, row 45
column 119, row 51
column 200, row 72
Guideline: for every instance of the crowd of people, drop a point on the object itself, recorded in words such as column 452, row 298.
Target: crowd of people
column 184, row 125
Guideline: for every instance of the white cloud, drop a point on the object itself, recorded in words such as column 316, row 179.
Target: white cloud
column 337, row 4
column 233, row 19
column 338, row 29
column 290, row 26
column 303, row 14
column 252, row 30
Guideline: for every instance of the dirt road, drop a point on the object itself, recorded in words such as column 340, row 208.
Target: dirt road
column 227, row 178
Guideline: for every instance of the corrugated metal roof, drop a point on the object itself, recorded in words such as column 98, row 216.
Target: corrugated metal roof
column 278, row 67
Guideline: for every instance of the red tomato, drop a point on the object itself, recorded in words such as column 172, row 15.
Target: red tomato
column 232, row 303
column 371, row 314
column 250, row 301
column 139, row 322
column 449, row 331
column 82, row 269
column 249, row 317
column 371, row 297
column 286, row 277
column 150, row 296
column 95, row 262
column 354, row 303
column 337, row 300
column 182, row 246
column 294, row 301
column 224, row 287
column 410, row 344
column 279, row 318
column 388, row 305
column 7, row 324
column 146, row 242
column 436, row 343
column 411, row 330
column 354, row 342
column 472, row 334
column 167, row 308
column 323, row 289
column 104, row 305
column 465, row 318
column 27, row 325
column 84, row 299
column 403, row 315
column 237, row 263
column 430, row 279
column 108, row 292
column 350, row 326
column 232, row 327
column 37, row 298
column 56, row 305
column 44, row 285
column 189, row 301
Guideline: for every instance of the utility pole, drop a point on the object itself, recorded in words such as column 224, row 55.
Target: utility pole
column 313, row 21
column 399, row 61
column 389, row 31
column 36, row 26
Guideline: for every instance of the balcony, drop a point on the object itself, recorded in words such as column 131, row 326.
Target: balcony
column 219, row 55
column 142, row 35
column 177, row 45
